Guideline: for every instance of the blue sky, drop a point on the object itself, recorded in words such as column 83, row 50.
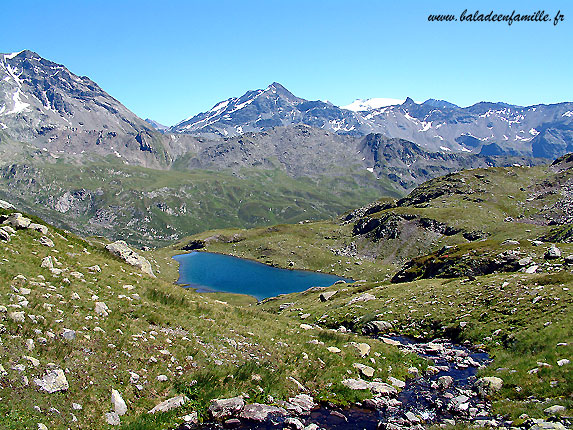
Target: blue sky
column 171, row 59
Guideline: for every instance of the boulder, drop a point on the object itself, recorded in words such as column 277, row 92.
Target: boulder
column 167, row 405
column 488, row 385
column 38, row 227
column 259, row 412
column 381, row 388
column 4, row 235
column 121, row 250
column 54, row 380
column 364, row 370
column 112, row 418
column 19, row 317
column 327, row 295
column 552, row 253
column 222, row 408
column 445, row 382
column 374, row 327
column 69, row 335
column 555, row 409
column 101, row 309
column 117, row 403
column 17, row 220
column 47, row 241
column 363, row 349
column 302, row 403
column 5, row 205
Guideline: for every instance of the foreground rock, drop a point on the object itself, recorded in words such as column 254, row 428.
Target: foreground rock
column 120, row 249
column 259, row 412
column 167, row 405
column 488, row 385
column 118, row 403
column 222, row 408
column 54, row 380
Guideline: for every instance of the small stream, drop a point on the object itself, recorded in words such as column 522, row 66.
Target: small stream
column 444, row 393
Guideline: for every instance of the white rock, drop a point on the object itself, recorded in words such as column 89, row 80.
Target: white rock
column 101, row 309
column 117, row 403
column 53, row 381
column 112, row 418
column 169, row 404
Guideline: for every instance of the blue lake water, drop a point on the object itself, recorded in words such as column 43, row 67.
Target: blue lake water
column 208, row 272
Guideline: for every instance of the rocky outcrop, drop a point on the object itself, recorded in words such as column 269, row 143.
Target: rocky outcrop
column 123, row 251
column 222, row 408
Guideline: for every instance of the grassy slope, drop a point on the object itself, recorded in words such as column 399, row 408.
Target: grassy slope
column 519, row 317
column 193, row 338
column 169, row 203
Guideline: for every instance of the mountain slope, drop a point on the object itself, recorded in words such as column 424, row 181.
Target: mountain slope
column 43, row 103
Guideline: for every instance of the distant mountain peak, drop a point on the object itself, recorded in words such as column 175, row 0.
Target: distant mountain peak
column 362, row 105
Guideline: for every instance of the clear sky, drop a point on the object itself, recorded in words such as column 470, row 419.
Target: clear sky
column 167, row 60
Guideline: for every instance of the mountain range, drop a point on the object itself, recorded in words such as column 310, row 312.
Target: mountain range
column 75, row 153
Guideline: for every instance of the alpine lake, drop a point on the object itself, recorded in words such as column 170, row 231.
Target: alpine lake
column 210, row 272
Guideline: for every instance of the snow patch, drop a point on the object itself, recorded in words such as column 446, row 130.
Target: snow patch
column 533, row 132
column 370, row 169
column 12, row 55
column 361, row 105
column 568, row 113
column 443, row 148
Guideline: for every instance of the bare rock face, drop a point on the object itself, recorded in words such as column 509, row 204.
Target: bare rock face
column 120, row 249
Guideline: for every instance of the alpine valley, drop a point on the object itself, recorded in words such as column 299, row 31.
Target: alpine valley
column 451, row 228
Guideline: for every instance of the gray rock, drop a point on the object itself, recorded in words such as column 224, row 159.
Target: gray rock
column 4, row 235
column 293, row 423
column 396, row 382
column 18, row 221
column 167, row 405
column 364, row 370
column 112, row 418
column 303, row 403
column 445, row 382
column 19, row 317
column 546, row 425
column 47, row 263
column 121, row 250
column 54, row 380
column 101, row 309
column 569, row 259
column 374, row 327
column 5, row 205
column 222, row 408
column 488, row 385
column 552, row 253
column 366, row 297
column 38, row 227
column 46, row 242
column 381, row 388
column 259, row 412
column 355, row 384
column 117, row 403
column 555, row 409
column 327, row 295
column 68, row 334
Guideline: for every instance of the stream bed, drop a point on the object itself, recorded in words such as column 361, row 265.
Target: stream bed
column 443, row 394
